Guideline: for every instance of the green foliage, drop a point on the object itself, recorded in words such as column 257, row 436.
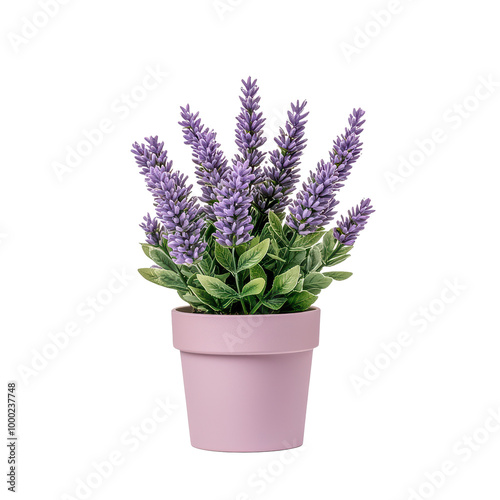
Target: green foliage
column 286, row 282
column 300, row 301
column 253, row 256
column 224, row 257
column 338, row 276
column 162, row 277
column 253, row 287
column 278, row 272
column 216, row 287
column 315, row 282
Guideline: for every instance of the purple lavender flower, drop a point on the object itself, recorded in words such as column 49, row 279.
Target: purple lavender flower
column 181, row 215
column 279, row 179
column 234, row 223
column 347, row 148
column 249, row 128
column 178, row 212
column 349, row 227
column 192, row 129
column 154, row 164
column 150, row 154
column 315, row 203
column 211, row 165
column 153, row 229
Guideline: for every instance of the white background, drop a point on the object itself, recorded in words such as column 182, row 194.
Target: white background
column 64, row 237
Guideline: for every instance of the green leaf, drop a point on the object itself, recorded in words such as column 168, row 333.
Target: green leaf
column 338, row 276
column 208, row 232
column 253, row 287
column 315, row 282
column 253, row 256
column 206, row 264
column 275, row 303
column 254, row 241
column 163, row 277
column 205, row 298
column 328, row 245
column 307, row 241
column 194, row 302
column 302, row 301
column 222, row 277
column 241, row 249
column 159, row 257
column 344, row 249
column 295, row 259
column 216, row 287
column 286, row 282
column 313, row 259
column 257, row 272
column 275, row 247
column 266, row 232
column 299, row 286
column 193, row 281
column 275, row 257
column 275, row 224
column 191, row 299
column 186, row 272
column 146, row 248
column 337, row 260
column 224, row 257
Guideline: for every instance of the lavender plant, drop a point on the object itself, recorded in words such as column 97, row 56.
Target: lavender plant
column 235, row 250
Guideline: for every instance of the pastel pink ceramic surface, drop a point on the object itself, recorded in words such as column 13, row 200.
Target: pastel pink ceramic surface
column 246, row 378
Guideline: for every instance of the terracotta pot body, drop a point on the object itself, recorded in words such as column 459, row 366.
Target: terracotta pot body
column 246, row 378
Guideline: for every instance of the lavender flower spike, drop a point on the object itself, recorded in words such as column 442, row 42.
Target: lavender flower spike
column 234, row 223
column 279, row 180
column 154, row 165
column 349, row 227
column 211, row 165
column 153, row 229
column 314, row 206
column 347, row 148
column 249, row 128
column 192, row 129
column 181, row 215
column 150, row 154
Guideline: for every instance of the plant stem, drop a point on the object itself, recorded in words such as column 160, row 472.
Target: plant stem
column 254, row 310
column 289, row 245
column 242, row 300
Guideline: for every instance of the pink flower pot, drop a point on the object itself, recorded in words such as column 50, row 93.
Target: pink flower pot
column 246, row 378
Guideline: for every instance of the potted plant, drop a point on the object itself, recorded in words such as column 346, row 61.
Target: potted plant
column 249, row 259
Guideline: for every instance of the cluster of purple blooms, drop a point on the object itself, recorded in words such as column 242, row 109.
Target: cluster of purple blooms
column 249, row 129
column 314, row 205
column 236, row 197
column 179, row 215
column 348, row 228
column 280, row 178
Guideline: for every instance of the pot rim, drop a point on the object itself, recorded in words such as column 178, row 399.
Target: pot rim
column 188, row 311
column 233, row 334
